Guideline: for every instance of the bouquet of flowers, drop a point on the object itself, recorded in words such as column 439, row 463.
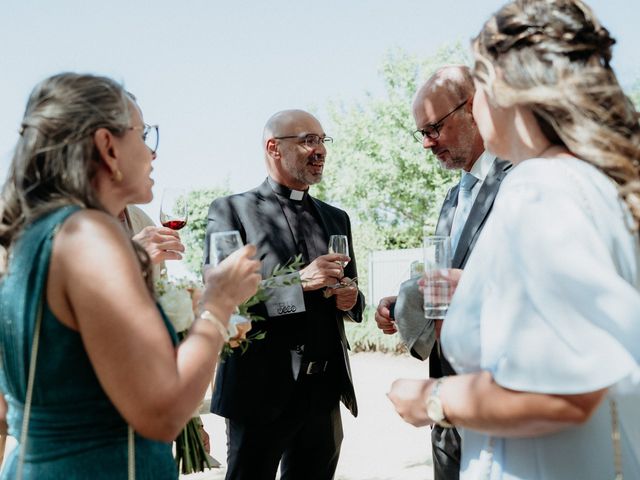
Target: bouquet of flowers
column 176, row 297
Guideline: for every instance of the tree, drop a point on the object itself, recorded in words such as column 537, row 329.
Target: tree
column 391, row 187
column 193, row 236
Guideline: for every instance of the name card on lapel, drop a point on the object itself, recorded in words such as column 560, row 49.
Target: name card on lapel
column 285, row 299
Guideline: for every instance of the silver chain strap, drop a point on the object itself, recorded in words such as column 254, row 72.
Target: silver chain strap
column 132, row 453
column 615, row 440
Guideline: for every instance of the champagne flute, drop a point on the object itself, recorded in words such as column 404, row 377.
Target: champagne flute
column 339, row 244
column 174, row 209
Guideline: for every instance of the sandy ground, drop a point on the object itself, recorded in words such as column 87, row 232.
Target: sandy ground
column 377, row 445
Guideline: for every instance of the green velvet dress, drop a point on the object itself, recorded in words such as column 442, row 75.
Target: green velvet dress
column 74, row 430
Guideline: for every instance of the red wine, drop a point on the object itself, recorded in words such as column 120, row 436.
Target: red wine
column 174, row 224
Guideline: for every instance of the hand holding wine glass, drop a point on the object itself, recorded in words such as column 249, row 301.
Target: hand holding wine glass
column 221, row 246
column 228, row 284
column 160, row 243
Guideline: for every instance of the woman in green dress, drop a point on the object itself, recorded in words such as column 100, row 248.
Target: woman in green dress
column 106, row 359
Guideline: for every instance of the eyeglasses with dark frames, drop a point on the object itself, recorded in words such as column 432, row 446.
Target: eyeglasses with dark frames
column 150, row 135
column 309, row 139
column 432, row 130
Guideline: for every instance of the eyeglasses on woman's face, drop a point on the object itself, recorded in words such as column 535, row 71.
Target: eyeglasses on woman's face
column 150, row 135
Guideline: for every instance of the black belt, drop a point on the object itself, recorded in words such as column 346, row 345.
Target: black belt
column 314, row 367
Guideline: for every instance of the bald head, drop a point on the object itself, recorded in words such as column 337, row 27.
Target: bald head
column 285, row 122
column 291, row 160
column 442, row 110
column 453, row 83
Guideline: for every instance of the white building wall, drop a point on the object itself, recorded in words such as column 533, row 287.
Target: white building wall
column 387, row 270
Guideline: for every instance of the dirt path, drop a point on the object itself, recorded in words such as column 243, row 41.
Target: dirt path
column 377, row 445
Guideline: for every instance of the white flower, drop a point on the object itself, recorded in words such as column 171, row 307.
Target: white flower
column 175, row 300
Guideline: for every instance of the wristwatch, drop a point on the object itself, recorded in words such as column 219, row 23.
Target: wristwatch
column 434, row 406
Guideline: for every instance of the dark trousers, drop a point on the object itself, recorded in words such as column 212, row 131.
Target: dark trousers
column 305, row 440
column 445, row 442
column 446, row 453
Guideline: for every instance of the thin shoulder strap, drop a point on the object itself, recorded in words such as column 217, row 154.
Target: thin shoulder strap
column 24, row 433
column 132, row 453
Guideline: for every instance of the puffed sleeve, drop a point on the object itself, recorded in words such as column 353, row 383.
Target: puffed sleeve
column 557, row 314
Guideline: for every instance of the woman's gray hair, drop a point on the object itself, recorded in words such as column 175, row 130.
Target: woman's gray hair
column 553, row 57
column 55, row 159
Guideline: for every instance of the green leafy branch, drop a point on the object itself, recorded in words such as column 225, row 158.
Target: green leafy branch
column 262, row 295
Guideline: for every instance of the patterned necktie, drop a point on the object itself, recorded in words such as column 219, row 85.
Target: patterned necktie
column 464, row 206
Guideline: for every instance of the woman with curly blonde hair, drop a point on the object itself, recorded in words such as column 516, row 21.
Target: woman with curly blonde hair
column 544, row 327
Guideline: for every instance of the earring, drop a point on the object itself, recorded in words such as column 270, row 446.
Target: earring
column 116, row 176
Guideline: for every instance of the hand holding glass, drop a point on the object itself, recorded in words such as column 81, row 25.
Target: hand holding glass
column 437, row 290
column 223, row 244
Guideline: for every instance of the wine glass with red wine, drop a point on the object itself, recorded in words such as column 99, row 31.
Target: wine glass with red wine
column 174, row 209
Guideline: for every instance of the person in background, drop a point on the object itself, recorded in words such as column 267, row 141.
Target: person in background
column 91, row 371
column 161, row 244
column 442, row 113
column 543, row 328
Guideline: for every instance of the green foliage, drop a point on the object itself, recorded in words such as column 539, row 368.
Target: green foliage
column 367, row 337
column 391, row 187
column 278, row 278
column 634, row 94
column 193, row 235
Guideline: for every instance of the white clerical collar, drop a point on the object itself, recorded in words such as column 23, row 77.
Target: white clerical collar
column 296, row 195
column 287, row 192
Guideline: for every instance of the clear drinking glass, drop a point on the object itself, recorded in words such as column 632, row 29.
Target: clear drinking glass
column 174, row 208
column 339, row 244
column 437, row 290
column 223, row 244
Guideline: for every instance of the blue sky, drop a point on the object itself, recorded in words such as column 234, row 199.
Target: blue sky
column 210, row 72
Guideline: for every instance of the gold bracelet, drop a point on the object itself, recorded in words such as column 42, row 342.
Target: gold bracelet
column 222, row 330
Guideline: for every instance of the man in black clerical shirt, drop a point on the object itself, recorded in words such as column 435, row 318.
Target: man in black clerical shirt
column 281, row 398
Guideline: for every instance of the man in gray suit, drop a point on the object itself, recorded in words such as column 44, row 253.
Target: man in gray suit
column 442, row 110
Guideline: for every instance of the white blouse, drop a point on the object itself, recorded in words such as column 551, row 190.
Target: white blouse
column 549, row 302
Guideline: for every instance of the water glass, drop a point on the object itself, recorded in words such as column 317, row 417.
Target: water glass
column 223, row 244
column 437, row 290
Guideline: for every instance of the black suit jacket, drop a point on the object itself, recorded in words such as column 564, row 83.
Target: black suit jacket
column 257, row 385
column 438, row 365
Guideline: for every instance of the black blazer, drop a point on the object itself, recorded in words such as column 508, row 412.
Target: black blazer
column 438, row 366
column 258, row 384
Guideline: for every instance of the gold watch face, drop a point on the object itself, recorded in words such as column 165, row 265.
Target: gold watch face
column 434, row 409
column 436, row 412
